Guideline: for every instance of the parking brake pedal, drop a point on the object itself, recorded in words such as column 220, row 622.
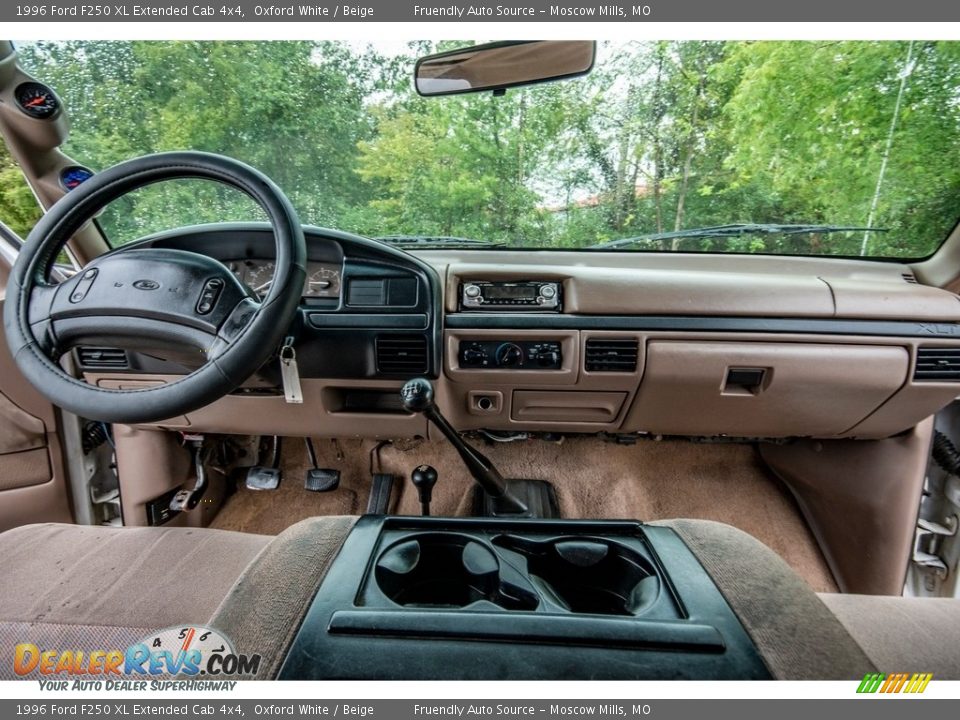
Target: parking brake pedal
column 319, row 479
column 266, row 477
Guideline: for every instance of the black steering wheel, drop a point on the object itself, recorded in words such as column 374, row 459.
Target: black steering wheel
column 151, row 297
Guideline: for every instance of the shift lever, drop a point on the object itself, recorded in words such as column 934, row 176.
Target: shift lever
column 417, row 396
column 424, row 478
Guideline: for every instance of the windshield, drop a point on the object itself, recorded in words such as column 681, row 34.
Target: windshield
column 855, row 143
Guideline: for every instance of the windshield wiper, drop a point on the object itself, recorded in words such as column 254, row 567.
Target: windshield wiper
column 734, row 230
column 427, row 242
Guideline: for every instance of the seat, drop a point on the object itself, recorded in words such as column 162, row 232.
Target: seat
column 86, row 587
column 805, row 636
column 903, row 634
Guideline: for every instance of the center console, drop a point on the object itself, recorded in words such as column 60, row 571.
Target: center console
column 442, row 598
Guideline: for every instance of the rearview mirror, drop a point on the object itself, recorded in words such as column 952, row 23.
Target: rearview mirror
column 501, row 65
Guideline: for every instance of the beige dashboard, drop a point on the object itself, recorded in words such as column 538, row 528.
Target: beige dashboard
column 753, row 346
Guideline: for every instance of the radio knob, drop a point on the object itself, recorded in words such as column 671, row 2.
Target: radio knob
column 548, row 291
column 509, row 355
column 472, row 291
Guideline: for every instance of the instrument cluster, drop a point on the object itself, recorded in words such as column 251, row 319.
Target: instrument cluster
column 323, row 279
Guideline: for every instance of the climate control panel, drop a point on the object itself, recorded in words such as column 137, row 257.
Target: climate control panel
column 510, row 354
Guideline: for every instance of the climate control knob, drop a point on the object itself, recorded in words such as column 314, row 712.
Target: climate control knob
column 548, row 359
column 473, row 355
column 509, row 355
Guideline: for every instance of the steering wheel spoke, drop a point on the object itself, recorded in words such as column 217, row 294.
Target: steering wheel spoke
column 167, row 302
column 176, row 304
column 232, row 328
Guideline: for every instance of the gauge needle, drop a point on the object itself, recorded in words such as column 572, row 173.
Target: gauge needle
column 36, row 101
column 321, row 283
column 188, row 640
column 261, row 288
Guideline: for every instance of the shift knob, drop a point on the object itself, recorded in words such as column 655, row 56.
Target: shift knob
column 417, row 395
column 424, row 478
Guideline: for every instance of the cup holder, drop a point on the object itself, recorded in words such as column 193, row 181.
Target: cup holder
column 445, row 570
column 588, row 575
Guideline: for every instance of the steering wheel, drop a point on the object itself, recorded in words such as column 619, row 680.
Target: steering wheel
column 151, row 297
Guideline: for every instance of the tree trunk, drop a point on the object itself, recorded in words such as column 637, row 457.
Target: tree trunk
column 688, row 158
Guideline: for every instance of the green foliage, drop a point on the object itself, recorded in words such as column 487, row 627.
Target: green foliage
column 661, row 136
column 18, row 208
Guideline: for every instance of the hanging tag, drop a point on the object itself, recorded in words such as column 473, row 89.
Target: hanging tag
column 290, row 373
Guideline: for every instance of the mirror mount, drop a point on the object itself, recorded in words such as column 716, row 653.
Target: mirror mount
column 499, row 66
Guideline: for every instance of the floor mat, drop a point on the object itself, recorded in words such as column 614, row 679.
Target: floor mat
column 593, row 479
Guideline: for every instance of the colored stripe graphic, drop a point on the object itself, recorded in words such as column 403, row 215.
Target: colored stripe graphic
column 894, row 683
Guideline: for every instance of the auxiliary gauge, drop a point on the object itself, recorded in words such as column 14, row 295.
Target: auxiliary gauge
column 73, row 176
column 36, row 100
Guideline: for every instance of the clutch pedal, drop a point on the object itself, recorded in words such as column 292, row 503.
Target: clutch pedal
column 187, row 499
column 266, row 477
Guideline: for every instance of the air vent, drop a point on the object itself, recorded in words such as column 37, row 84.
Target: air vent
column 402, row 354
column 106, row 358
column 938, row 363
column 611, row 355
column 909, row 277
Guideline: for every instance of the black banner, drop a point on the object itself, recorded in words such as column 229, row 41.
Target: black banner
column 420, row 11
column 209, row 708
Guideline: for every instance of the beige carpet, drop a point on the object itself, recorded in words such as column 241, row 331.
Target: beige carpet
column 593, row 479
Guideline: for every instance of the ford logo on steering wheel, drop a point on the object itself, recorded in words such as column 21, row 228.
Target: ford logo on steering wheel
column 146, row 284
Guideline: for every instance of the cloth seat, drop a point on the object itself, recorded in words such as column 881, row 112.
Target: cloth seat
column 72, row 587
column 901, row 634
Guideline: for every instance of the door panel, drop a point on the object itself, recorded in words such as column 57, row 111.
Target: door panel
column 33, row 484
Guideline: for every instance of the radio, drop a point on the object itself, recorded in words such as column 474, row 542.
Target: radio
column 499, row 296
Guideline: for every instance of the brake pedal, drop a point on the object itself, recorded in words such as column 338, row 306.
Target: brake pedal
column 266, row 477
column 319, row 479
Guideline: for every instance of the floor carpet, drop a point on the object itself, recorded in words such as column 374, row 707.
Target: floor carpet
column 593, row 478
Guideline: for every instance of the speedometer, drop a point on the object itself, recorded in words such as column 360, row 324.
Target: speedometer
column 260, row 277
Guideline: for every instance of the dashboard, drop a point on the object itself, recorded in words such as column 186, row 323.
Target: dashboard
column 557, row 341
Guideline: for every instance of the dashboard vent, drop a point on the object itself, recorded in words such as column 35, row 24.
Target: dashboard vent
column 938, row 363
column 611, row 355
column 402, row 354
column 910, row 278
column 102, row 358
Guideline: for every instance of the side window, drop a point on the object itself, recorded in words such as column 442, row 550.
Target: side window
column 19, row 209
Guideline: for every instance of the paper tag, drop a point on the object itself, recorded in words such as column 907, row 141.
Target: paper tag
column 290, row 374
